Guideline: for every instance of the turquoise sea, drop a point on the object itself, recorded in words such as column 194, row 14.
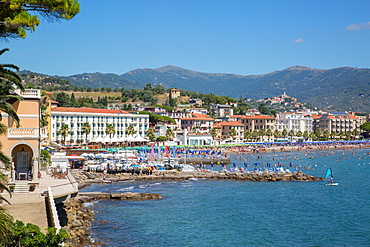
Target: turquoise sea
column 243, row 213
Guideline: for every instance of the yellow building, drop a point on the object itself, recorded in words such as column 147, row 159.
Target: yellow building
column 175, row 93
column 22, row 145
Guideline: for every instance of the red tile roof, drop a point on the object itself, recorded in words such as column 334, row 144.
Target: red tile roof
column 201, row 115
column 231, row 123
column 197, row 118
column 258, row 117
column 88, row 110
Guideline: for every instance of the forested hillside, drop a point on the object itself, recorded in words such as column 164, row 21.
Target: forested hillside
column 340, row 88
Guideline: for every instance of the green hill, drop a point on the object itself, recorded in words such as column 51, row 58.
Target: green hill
column 340, row 88
column 98, row 80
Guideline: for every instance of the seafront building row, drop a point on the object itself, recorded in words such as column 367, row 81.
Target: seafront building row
column 233, row 128
column 41, row 121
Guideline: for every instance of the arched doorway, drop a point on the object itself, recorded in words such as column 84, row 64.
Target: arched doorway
column 22, row 155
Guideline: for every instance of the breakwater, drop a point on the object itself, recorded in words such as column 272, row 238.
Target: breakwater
column 86, row 178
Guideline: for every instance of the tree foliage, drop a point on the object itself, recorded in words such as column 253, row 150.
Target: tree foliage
column 64, row 131
column 110, row 130
column 86, row 129
column 30, row 235
column 154, row 118
column 19, row 16
column 365, row 126
column 9, row 81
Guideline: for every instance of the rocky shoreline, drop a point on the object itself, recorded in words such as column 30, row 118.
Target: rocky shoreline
column 79, row 215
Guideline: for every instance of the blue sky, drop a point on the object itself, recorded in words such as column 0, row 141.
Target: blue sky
column 217, row 36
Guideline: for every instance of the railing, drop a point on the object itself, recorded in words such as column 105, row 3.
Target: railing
column 67, row 188
column 27, row 132
column 72, row 180
column 23, row 132
column 29, row 93
column 63, row 189
column 44, row 132
column 53, row 210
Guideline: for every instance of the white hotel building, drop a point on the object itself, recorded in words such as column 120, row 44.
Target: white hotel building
column 294, row 121
column 98, row 120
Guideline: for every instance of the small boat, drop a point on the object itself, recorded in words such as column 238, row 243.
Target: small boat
column 329, row 178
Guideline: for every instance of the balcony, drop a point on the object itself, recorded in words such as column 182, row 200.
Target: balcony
column 27, row 133
column 29, row 93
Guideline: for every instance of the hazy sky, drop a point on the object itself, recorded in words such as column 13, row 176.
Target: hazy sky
column 224, row 36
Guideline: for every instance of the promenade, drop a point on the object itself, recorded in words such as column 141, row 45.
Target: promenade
column 30, row 207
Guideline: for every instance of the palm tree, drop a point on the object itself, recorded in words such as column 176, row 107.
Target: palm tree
column 110, row 130
column 150, row 134
column 130, row 130
column 232, row 133
column 313, row 136
column 305, row 135
column 261, row 133
column 355, row 133
column 299, row 134
column 254, row 134
column 291, row 134
column 64, row 131
column 348, row 134
column 86, row 129
column 326, row 134
column 9, row 81
column 341, row 135
column 3, row 158
column 214, row 133
column 269, row 133
column 284, row 133
column 247, row 134
column 169, row 133
column 277, row 134
column 333, row 134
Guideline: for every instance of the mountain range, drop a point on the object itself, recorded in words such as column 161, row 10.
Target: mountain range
column 344, row 88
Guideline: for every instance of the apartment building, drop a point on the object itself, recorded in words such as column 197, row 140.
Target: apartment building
column 222, row 111
column 200, row 123
column 98, row 119
column 232, row 129
column 336, row 122
column 257, row 122
column 294, row 121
